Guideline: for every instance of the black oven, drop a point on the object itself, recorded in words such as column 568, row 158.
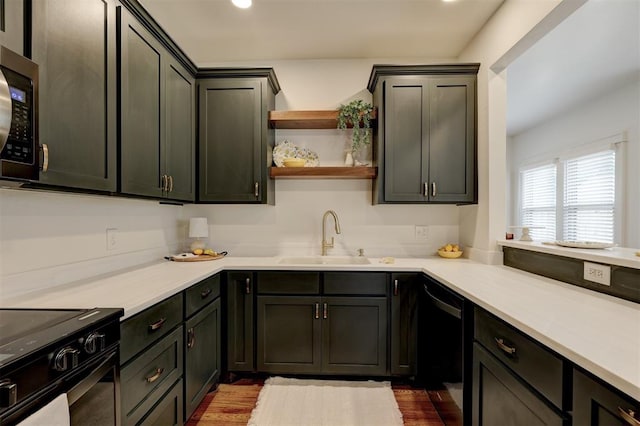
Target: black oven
column 47, row 353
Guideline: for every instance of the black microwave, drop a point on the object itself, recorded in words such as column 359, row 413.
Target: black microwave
column 19, row 147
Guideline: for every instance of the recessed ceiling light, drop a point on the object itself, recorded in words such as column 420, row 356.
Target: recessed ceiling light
column 242, row 4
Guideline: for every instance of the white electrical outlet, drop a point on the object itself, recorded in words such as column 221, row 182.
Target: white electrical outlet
column 112, row 238
column 421, row 232
column 597, row 273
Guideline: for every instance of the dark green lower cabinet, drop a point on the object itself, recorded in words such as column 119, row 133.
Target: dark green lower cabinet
column 354, row 335
column 202, row 355
column 240, row 289
column 289, row 334
column 322, row 335
column 596, row 404
column 499, row 398
column 405, row 289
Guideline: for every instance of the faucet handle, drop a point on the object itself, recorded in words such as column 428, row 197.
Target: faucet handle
column 360, row 252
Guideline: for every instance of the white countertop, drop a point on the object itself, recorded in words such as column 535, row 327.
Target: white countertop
column 597, row 332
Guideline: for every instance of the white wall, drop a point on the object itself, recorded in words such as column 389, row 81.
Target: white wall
column 613, row 113
column 294, row 224
column 51, row 238
column 517, row 25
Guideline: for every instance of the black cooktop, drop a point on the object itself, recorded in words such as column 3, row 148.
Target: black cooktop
column 25, row 331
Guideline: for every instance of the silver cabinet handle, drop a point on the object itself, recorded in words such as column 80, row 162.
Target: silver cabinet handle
column 157, row 325
column 395, row 287
column 629, row 416
column 324, row 311
column 45, row 157
column 317, row 314
column 191, row 338
column 433, row 189
column 425, row 189
column 247, row 285
column 509, row 350
column 256, row 190
column 163, row 183
column 170, row 184
column 155, row 376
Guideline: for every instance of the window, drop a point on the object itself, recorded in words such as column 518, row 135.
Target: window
column 538, row 208
column 573, row 198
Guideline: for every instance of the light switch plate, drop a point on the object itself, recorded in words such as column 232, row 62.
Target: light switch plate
column 597, row 273
column 421, row 232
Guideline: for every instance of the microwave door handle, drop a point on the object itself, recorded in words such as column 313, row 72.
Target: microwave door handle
column 5, row 110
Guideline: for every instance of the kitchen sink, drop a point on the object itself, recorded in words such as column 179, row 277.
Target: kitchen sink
column 325, row 260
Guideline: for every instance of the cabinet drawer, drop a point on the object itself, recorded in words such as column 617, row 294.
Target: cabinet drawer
column 200, row 294
column 168, row 412
column 537, row 365
column 289, row 283
column 150, row 375
column 140, row 331
column 358, row 283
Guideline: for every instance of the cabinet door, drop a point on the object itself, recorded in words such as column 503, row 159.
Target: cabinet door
column 404, row 323
column 451, row 139
column 140, row 108
column 74, row 46
column 12, row 25
column 597, row 405
column 230, row 144
column 179, row 147
column 202, row 355
column 501, row 399
column 406, row 135
column 240, row 321
column 168, row 412
column 354, row 335
column 289, row 334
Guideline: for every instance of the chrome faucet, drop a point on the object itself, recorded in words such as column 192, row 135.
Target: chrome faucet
column 325, row 244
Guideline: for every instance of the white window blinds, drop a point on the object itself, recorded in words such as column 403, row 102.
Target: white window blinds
column 538, row 201
column 589, row 197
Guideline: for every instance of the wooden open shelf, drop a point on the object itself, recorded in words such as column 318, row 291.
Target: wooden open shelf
column 306, row 119
column 356, row 172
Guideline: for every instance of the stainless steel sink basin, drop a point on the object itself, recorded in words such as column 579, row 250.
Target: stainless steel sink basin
column 325, row 260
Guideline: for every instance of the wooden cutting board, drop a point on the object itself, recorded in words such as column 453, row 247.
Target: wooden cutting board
column 200, row 258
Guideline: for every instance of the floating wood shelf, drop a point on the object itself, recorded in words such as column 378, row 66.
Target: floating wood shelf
column 323, row 172
column 305, row 119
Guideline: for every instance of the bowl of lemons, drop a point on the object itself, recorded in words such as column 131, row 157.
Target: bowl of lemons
column 450, row 251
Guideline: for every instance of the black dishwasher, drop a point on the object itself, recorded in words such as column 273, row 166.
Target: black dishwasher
column 442, row 352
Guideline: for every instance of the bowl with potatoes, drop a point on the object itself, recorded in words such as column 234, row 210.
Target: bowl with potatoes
column 450, row 251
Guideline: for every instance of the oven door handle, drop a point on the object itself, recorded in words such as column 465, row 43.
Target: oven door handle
column 103, row 366
column 443, row 306
column 5, row 110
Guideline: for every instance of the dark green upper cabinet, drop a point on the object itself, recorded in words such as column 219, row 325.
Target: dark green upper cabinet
column 425, row 139
column 157, row 117
column 235, row 141
column 74, row 43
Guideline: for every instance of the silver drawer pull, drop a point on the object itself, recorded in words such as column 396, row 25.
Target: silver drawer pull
column 157, row 325
column 317, row 314
column 247, row 285
column 205, row 293
column 395, row 287
column 629, row 416
column 509, row 350
column 325, row 311
column 155, row 376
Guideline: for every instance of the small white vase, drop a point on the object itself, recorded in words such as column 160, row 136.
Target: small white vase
column 348, row 159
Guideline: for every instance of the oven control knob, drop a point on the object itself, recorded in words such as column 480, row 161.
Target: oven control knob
column 94, row 343
column 8, row 393
column 66, row 359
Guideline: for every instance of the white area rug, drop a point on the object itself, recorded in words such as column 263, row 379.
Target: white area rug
column 289, row 402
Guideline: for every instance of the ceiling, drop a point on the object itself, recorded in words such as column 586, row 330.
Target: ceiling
column 593, row 51
column 215, row 31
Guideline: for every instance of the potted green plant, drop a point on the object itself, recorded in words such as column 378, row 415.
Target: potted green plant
column 358, row 114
